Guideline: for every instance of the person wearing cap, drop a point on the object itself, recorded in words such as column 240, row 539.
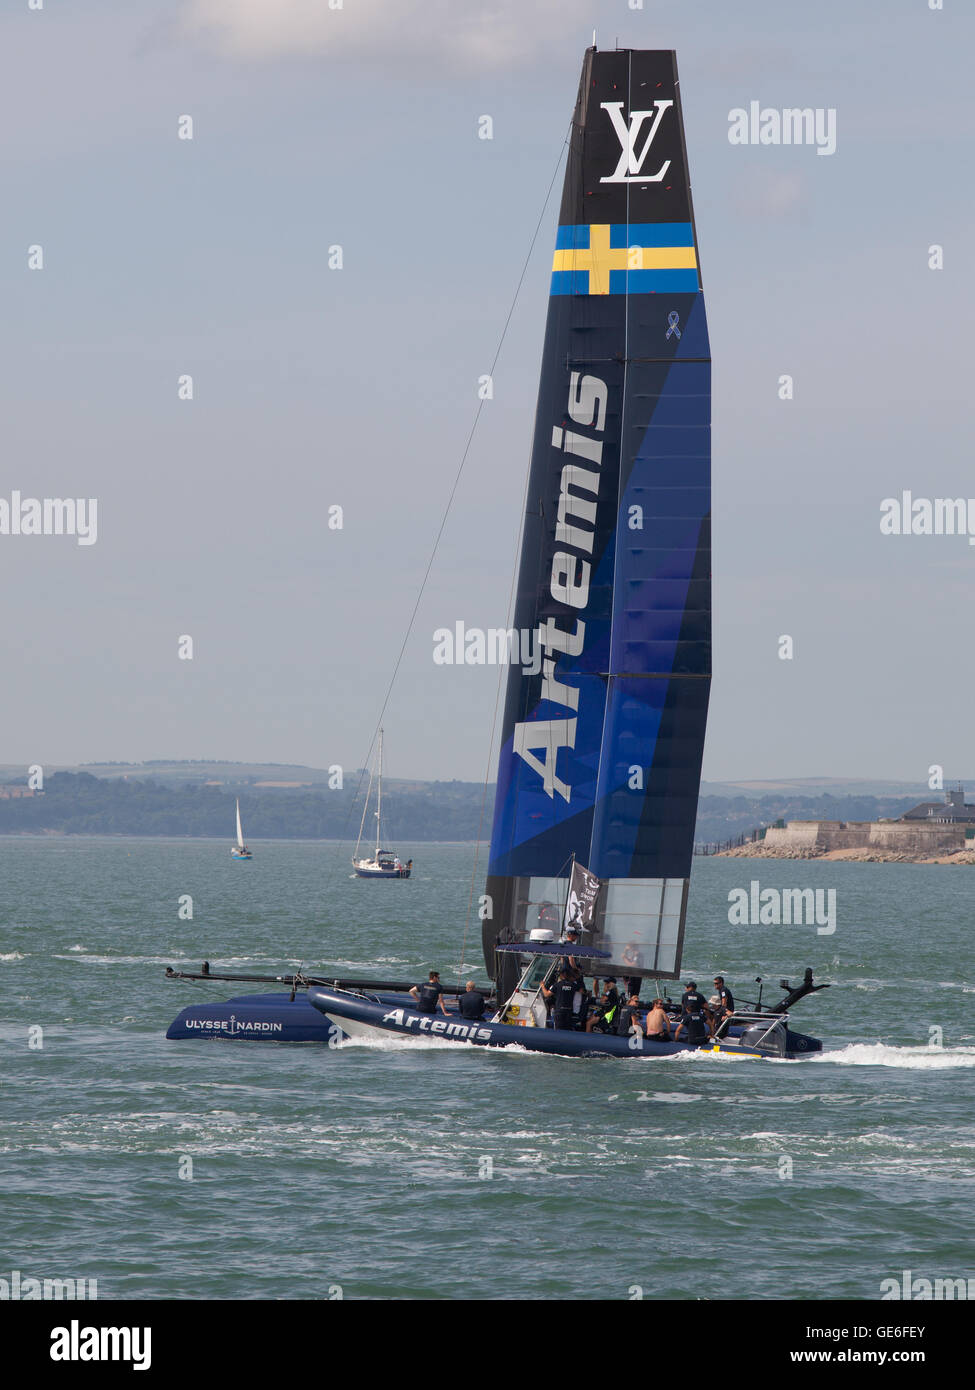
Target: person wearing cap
column 570, row 938
column 604, row 1012
column 658, row 1024
column 693, row 1015
column 722, row 1002
column 429, row 994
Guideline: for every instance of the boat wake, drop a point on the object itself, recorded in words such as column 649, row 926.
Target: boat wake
column 399, row 1042
column 911, row 1058
column 708, row 1055
column 393, row 1042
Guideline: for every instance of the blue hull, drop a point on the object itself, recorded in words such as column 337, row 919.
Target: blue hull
column 254, row 1018
column 356, row 1013
column 260, row 1018
column 324, row 1016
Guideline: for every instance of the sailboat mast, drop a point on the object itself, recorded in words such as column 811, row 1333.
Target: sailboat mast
column 615, row 563
column 379, row 795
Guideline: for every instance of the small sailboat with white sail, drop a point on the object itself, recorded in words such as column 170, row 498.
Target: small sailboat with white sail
column 384, row 863
column 240, row 850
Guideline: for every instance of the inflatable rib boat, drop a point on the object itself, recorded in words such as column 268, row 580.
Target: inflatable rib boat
column 363, row 1015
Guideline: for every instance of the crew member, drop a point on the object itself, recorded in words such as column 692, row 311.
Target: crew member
column 579, row 999
column 471, row 1002
column 562, row 997
column 628, row 1018
column 721, row 1002
column 693, row 1015
column 658, row 1024
column 603, row 1015
column 428, row 995
column 571, row 939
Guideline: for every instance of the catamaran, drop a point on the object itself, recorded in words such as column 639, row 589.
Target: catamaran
column 240, row 850
column 600, row 761
column 384, row 863
column 601, row 749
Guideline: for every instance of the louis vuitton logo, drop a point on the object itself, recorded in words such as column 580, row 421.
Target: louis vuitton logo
column 628, row 170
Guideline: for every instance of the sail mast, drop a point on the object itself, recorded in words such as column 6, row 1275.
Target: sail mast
column 601, row 748
column 379, row 795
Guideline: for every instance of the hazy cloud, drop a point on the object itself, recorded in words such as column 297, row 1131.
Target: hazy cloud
column 489, row 35
column 765, row 193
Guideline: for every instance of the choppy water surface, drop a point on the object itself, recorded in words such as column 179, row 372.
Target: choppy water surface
column 691, row 1177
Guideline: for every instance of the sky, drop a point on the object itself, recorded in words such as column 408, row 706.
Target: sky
column 357, row 387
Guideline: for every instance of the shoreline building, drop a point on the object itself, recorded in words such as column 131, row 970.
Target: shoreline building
column 951, row 811
column 928, row 829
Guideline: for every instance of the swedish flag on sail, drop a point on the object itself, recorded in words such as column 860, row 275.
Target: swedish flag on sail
column 625, row 258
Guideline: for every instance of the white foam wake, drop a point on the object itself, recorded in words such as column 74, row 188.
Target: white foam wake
column 912, row 1058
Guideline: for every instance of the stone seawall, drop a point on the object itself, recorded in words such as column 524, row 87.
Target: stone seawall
column 906, row 842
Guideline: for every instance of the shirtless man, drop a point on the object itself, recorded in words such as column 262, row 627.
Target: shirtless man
column 658, row 1024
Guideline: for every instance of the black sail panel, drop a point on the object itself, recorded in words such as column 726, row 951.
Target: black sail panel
column 601, row 747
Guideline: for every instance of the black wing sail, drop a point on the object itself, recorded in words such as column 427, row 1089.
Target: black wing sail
column 601, row 748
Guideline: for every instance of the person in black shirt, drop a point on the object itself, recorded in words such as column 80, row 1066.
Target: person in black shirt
column 562, row 998
column 471, row 1002
column 693, row 1015
column 628, row 1017
column 722, row 1001
column 603, row 1015
column 428, row 995
column 571, row 939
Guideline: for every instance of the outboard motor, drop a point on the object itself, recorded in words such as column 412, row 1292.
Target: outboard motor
column 767, row 1036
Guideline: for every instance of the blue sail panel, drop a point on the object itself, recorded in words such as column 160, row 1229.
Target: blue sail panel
column 601, row 745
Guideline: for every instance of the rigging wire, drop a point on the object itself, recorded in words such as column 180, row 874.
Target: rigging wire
column 443, row 523
column 467, row 446
column 362, row 823
column 494, row 725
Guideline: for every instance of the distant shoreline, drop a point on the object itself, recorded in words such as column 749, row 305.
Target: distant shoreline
column 203, row 839
column 848, row 856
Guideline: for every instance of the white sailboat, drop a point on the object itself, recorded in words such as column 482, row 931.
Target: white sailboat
column 384, row 863
column 240, row 850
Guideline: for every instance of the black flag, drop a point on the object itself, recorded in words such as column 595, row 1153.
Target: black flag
column 580, row 905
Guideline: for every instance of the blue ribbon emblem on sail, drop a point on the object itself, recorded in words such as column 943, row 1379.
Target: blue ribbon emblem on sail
column 625, row 258
column 673, row 320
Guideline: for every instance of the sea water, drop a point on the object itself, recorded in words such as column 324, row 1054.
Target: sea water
column 216, row 1170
